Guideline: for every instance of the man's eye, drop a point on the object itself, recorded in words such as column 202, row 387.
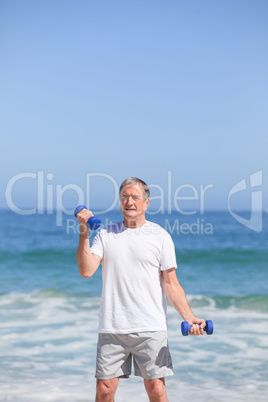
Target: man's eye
column 125, row 197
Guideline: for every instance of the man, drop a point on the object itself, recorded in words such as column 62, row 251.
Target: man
column 138, row 267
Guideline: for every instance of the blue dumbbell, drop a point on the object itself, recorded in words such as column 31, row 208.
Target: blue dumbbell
column 185, row 328
column 93, row 223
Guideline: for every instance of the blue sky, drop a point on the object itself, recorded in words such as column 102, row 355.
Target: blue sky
column 162, row 90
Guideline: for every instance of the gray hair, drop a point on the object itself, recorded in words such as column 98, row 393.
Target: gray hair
column 134, row 180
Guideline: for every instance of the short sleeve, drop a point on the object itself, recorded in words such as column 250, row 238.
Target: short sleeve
column 97, row 246
column 168, row 255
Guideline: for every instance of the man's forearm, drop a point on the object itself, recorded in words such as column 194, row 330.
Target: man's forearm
column 177, row 298
column 84, row 257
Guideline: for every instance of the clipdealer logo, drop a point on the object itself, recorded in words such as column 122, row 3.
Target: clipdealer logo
column 50, row 198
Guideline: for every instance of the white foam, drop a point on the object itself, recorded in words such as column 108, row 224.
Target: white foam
column 82, row 389
column 48, row 347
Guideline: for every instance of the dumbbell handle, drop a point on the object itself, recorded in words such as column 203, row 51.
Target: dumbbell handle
column 93, row 223
column 185, row 328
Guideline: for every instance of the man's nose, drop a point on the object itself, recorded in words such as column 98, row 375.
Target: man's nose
column 129, row 200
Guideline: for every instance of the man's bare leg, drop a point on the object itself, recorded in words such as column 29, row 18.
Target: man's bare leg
column 105, row 390
column 156, row 390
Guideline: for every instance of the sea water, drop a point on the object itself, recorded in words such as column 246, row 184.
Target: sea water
column 49, row 313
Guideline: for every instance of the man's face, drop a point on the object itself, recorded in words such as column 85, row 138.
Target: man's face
column 133, row 204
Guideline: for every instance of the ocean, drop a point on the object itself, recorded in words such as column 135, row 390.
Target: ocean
column 49, row 313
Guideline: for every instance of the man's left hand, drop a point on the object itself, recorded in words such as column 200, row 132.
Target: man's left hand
column 197, row 326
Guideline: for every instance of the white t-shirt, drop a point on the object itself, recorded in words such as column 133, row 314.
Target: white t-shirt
column 133, row 298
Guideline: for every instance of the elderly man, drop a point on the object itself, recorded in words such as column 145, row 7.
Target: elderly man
column 138, row 268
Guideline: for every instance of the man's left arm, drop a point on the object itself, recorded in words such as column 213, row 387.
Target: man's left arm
column 177, row 298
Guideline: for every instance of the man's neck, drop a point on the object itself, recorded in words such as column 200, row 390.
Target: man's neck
column 133, row 223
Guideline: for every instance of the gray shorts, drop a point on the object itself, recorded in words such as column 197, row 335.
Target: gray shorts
column 149, row 350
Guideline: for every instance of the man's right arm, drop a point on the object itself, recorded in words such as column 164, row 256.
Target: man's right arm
column 88, row 262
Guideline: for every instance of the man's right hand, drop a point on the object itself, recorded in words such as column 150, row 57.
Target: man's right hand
column 83, row 216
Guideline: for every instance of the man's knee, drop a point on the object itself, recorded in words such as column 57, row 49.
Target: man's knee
column 156, row 389
column 105, row 389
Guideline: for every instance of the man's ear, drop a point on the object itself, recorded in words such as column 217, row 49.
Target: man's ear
column 147, row 202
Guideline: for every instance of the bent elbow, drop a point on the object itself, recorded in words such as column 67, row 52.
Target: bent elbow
column 84, row 273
